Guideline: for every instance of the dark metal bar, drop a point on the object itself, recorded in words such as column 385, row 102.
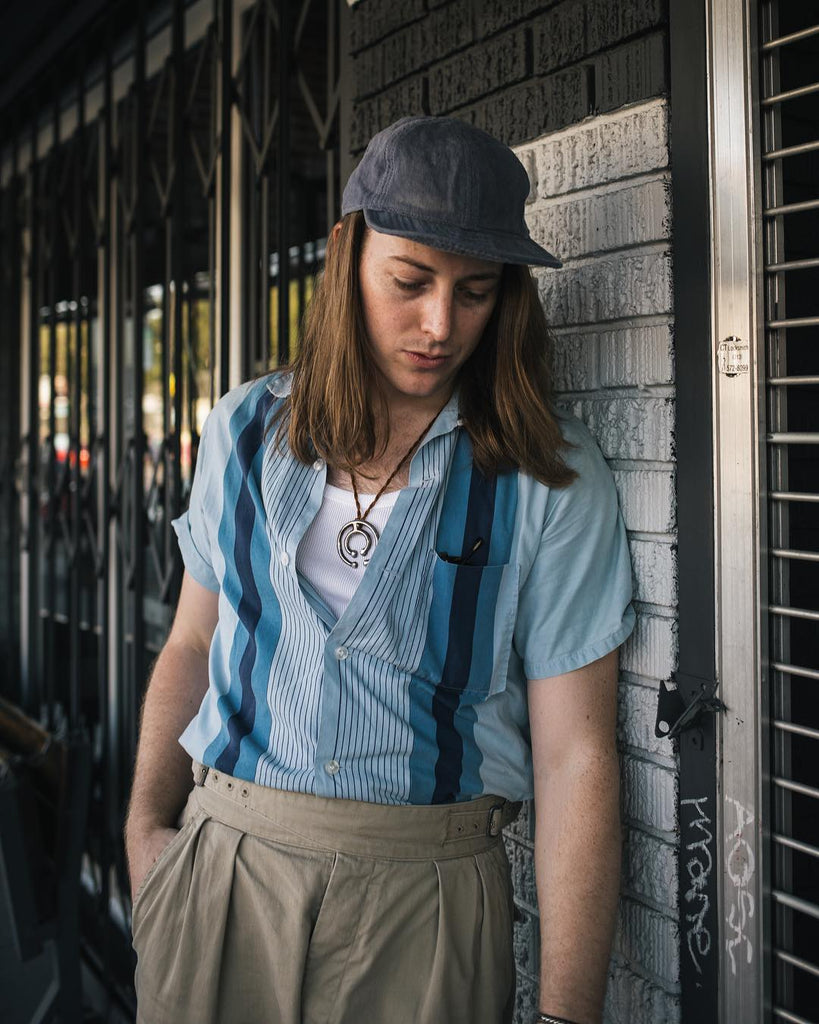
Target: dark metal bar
column 796, row 787
column 79, row 286
column 793, row 37
column 792, row 496
column 181, row 277
column 803, row 906
column 782, row 154
column 776, row 268
column 794, row 380
column 795, row 844
column 109, row 838
column 792, row 1018
column 790, row 94
column 797, row 961
column 783, row 208
column 226, row 179
column 32, row 680
column 802, row 321
column 793, row 613
column 135, row 244
column 698, row 801
column 795, row 670
column 48, row 603
column 801, row 437
column 283, row 181
column 798, row 730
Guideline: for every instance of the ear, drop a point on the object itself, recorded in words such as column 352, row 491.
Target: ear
column 336, row 231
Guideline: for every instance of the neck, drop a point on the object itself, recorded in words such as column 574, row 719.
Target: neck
column 406, row 415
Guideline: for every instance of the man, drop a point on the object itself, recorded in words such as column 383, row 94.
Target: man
column 406, row 583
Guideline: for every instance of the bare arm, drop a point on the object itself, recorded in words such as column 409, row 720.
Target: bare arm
column 162, row 778
column 577, row 839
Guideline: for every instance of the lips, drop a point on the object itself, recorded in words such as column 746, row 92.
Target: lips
column 425, row 361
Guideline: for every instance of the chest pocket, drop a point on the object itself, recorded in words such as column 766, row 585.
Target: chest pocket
column 470, row 627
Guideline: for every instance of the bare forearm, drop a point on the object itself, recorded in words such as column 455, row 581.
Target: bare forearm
column 577, row 863
column 162, row 778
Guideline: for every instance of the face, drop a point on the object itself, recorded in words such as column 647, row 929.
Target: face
column 425, row 312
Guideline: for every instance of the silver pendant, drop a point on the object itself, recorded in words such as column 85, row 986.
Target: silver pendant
column 351, row 555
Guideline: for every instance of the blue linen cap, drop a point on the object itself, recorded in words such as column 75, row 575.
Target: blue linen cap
column 444, row 183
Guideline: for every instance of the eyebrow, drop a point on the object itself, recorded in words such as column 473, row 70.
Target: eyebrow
column 485, row 275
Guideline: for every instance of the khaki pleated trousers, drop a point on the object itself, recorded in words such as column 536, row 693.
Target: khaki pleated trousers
column 280, row 908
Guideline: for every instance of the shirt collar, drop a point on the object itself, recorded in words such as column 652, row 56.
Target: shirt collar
column 280, row 384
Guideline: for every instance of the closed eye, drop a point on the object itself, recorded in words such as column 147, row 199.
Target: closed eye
column 476, row 297
column 409, row 286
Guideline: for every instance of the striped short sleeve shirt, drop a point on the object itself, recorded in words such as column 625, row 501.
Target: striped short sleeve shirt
column 417, row 692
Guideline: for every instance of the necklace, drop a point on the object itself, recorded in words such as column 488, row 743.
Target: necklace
column 359, row 527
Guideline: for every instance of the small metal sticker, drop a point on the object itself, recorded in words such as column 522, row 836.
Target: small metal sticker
column 733, row 356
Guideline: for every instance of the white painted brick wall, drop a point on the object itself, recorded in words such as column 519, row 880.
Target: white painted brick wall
column 651, row 650
column 655, row 572
column 608, row 288
column 650, row 868
column 628, row 428
column 619, row 145
column 630, row 354
column 646, row 499
column 637, row 713
column 600, row 199
column 649, row 794
column 643, row 935
column 632, row 999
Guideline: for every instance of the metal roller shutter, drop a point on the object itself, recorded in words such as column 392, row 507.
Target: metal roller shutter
column 789, row 109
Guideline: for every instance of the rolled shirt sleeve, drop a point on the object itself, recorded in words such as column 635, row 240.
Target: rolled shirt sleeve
column 193, row 526
column 575, row 604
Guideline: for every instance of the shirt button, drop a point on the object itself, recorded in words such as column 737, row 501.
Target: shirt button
column 318, row 465
column 332, row 767
column 342, row 653
column 284, row 558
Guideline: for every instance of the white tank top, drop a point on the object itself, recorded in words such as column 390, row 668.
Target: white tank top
column 317, row 557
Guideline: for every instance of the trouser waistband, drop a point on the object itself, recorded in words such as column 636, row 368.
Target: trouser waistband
column 406, row 831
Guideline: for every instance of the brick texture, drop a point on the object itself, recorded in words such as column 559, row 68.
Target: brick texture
column 652, row 937
column 603, row 150
column 649, row 794
column 533, row 107
column 646, row 499
column 632, row 72
column 461, row 80
column 560, row 37
column 609, row 23
column 651, row 650
column 602, row 221
column 597, row 290
column 655, row 572
column 588, row 359
column 632, row 999
column 637, row 713
column 650, row 868
column 519, row 68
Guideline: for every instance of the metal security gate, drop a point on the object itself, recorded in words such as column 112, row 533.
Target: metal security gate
column 166, row 192
column 789, row 99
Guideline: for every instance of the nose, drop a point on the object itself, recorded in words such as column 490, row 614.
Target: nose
column 437, row 315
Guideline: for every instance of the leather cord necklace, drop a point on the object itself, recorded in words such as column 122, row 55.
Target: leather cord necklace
column 359, row 527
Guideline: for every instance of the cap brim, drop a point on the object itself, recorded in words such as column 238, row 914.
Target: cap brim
column 497, row 246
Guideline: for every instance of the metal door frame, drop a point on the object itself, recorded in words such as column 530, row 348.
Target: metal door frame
column 739, row 490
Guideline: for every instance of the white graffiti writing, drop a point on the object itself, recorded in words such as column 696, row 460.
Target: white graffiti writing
column 699, row 868
column 740, row 866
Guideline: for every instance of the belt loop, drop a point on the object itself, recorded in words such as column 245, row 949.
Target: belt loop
column 200, row 773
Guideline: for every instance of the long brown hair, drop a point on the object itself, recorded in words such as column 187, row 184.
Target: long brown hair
column 505, row 385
